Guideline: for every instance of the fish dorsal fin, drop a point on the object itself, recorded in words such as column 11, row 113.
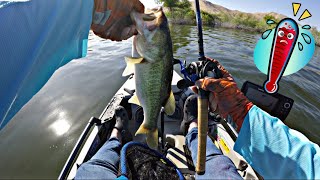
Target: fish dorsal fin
column 134, row 100
column 130, row 65
column 170, row 106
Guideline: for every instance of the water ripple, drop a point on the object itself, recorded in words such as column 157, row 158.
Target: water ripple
column 83, row 87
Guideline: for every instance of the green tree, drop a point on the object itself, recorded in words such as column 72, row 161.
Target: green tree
column 210, row 19
column 170, row 4
column 269, row 17
column 184, row 4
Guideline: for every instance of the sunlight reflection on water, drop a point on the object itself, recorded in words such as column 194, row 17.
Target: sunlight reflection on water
column 62, row 125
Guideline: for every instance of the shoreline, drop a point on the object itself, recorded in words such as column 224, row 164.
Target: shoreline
column 222, row 25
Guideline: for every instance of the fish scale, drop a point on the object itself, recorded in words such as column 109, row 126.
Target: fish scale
column 149, row 79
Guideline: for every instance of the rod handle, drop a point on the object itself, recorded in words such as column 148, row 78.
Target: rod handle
column 202, row 131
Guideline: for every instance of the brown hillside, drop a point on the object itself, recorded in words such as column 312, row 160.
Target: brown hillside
column 217, row 9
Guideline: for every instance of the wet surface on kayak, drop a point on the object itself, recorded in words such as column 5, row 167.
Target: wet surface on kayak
column 39, row 139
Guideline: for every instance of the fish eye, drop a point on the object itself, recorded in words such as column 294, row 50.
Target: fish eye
column 290, row 36
column 281, row 33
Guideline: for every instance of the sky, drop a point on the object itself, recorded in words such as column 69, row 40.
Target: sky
column 279, row 6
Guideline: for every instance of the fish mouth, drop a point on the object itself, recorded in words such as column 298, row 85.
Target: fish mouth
column 284, row 41
column 144, row 21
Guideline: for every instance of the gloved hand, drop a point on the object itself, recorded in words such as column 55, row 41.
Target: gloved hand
column 226, row 98
column 111, row 18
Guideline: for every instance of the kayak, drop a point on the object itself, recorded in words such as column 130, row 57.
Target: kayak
column 172, row 141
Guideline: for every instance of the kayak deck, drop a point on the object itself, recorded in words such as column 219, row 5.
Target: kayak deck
column 173, row 146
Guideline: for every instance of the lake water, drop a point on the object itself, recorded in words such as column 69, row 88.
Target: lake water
column 39, row 139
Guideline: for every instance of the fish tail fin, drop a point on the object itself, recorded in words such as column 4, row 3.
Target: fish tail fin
column 152, row 136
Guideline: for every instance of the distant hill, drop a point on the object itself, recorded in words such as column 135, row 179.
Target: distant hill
column 217, row 9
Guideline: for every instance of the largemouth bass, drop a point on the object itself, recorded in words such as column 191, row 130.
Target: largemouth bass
column 153, row 69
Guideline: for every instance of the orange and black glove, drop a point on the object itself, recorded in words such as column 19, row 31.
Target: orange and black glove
column 226, row 98
column 111, row 18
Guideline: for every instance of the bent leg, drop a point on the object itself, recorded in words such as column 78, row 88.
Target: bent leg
column 218, row 166
column 104, row 164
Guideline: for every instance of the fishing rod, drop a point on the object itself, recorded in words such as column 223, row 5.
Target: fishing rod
column 202, row 131
column 200, row 35
column 193, row 72
column 202, row 103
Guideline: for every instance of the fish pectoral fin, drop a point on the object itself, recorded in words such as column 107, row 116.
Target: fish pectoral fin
column 134, row 100
column 133, row 60
column 130, row 65
column 152, row 136
column 170, row 106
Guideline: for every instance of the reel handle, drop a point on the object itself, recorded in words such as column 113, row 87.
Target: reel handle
column 183, row 84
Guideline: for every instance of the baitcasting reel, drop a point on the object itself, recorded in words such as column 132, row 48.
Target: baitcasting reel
column 197, row 70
